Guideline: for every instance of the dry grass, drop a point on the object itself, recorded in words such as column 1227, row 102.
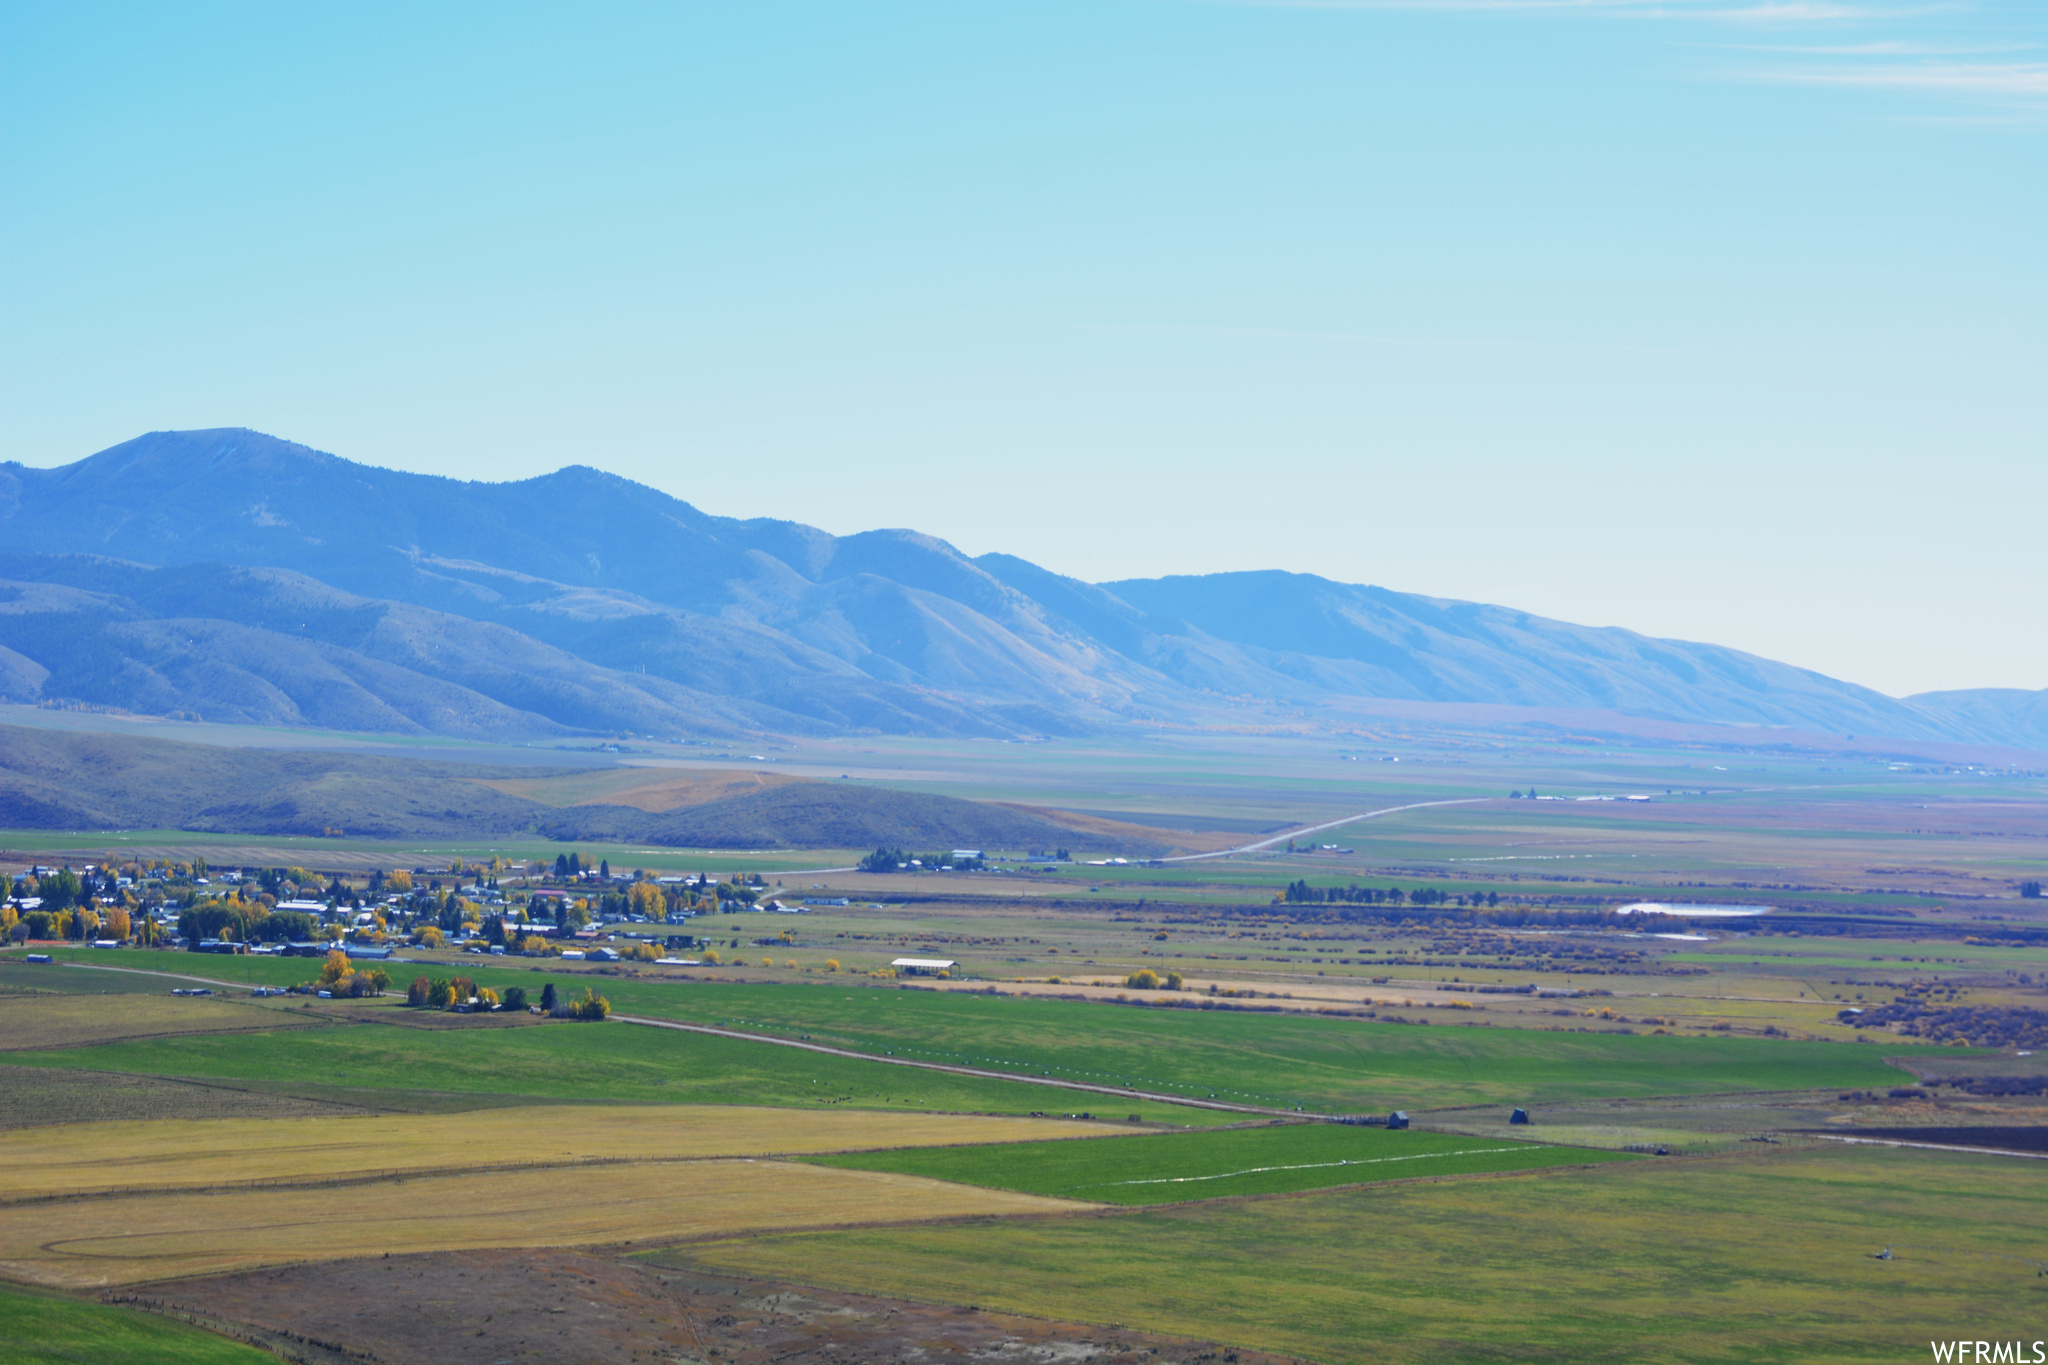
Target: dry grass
column 30, row 1022
column 199, row 1153
column 649, row 789
column 38, row 1097
column 1203, row 841
column 126, row 1240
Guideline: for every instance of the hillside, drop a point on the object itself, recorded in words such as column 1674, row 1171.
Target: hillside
column 244, row 578
column 72, row 781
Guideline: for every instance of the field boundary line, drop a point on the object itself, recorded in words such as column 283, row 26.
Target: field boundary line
column 390, row 1174
column 1285, row 835
column 151, row 971
column 1053, row 1082
column 1926, row 1146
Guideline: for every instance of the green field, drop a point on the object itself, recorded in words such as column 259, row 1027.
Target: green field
column 1271, row 1060
column 1758, row 1259
column 580, row 1062
column 1170, row 1168
column 40, row 1328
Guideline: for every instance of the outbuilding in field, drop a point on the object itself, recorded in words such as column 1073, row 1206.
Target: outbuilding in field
column 1398, row 1119
column 1519, row 1116
column 922, row 966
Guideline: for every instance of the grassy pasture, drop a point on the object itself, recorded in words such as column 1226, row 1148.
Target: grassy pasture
column 41, row 1328
column 70, row 1020
column 169, row 1154
column 1331, row 1065
column 36, row 1097
column 1755, row 1259
column 18, row 977
column 1168, row 1168
column 1265, row 1059
column 129, row 1239
column 589, row 1063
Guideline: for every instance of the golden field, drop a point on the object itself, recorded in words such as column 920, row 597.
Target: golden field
column 97, row 1241
column 167, row 1154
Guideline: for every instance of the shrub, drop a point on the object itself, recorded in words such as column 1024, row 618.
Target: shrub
column 712, row 957
column 1144, row 979
column 831, row 964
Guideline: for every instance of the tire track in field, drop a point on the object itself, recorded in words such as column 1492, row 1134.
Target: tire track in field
column 1121, row 1092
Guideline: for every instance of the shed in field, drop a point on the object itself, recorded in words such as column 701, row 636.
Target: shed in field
column 923, row 966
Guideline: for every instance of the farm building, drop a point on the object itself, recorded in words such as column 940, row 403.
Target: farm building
column 922, row 966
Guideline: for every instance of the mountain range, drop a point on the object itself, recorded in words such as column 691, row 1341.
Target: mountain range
column 237, row 577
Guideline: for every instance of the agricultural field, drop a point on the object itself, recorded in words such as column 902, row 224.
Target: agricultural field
column 35, row 1097
column 1170, row 1168
column 37, row 1021
column 169, row 1154
column 38, row 1327
column 599, row 1308
column 1761, row 1258
column 375, row 1064
column 131, row 1238
column 1280, row 1061
column 431, row 1186
column 1273, row 1060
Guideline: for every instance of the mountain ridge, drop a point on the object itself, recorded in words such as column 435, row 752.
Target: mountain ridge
column 582, row 601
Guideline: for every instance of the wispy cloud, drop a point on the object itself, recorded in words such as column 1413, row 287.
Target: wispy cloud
column 1911, row 47
column 1891, row 48
column 2023, row 79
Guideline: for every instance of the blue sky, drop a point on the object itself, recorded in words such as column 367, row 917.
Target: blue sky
column 1724, row 320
